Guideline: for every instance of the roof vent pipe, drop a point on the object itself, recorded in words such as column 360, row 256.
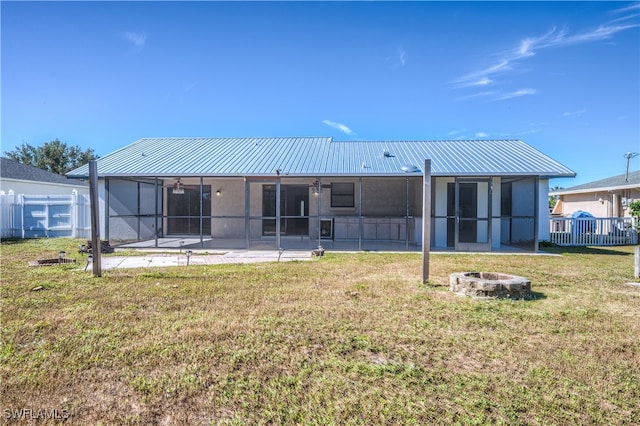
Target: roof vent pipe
column 410, row 169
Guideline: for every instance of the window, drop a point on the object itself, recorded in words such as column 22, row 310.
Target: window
column 342, row 195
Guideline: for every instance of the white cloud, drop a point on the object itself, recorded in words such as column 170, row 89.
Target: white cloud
column 475, row 95
column 485, row 81
column 472, row 79
column 339, row 126
column 397, row 57
column 482, row 135
column 530, row 132
column 633, row 7
column 516, row 94
column 137, row 39
column 402, row 56
column 573, row 113
column 554, row 38
column 187, row 87
column 456, row 132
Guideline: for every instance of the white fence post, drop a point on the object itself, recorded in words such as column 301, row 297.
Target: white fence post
column 74, row 214
column 5, row 215
column 21, row 207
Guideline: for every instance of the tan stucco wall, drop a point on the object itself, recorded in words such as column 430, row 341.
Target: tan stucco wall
column 600, row 204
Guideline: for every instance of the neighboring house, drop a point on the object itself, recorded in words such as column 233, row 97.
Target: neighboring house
column 608, row 197
column 23, row 179
column 305, row 192
column 37, row 203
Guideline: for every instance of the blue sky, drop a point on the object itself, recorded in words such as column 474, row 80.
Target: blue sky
column 562, row 76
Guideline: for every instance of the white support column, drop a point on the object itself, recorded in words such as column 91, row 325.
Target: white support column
column 543, row 233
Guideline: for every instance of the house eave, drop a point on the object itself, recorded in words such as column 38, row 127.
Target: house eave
column 600, row 189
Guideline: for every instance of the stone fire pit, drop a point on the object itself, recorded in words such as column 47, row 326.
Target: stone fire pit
column 489, row 285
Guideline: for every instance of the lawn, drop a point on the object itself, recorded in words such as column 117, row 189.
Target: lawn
column 344, row 339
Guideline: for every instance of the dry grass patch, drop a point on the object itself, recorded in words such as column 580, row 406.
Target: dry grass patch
column 346, row 339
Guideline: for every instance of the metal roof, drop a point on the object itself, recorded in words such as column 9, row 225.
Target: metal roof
column 611, row 183
column 322, row 156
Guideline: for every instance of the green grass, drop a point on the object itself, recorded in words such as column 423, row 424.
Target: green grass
column 344, row 339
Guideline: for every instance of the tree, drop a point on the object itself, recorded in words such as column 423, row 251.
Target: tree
column 55, row 156
column 553, row 200
column 635, row 213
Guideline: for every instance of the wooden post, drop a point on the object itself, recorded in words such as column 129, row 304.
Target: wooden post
column 636, row 265
column 426, row 220
column 96, row 246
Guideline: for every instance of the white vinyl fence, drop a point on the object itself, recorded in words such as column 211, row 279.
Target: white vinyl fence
column 590, row 231
column 30, row 216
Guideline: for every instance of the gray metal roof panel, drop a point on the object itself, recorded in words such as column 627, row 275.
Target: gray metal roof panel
column 321, row 156
column 619, row 181
column 10, row 169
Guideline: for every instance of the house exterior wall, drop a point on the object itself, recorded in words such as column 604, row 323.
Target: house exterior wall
column 598, row 204
column 227, row 208
column 379, row 213
column 40, row 188
column 601, row 203
column 384, row 206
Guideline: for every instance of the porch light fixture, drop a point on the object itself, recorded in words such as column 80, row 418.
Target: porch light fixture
column 315, row 188
column 178, row 188
column 218, row 193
